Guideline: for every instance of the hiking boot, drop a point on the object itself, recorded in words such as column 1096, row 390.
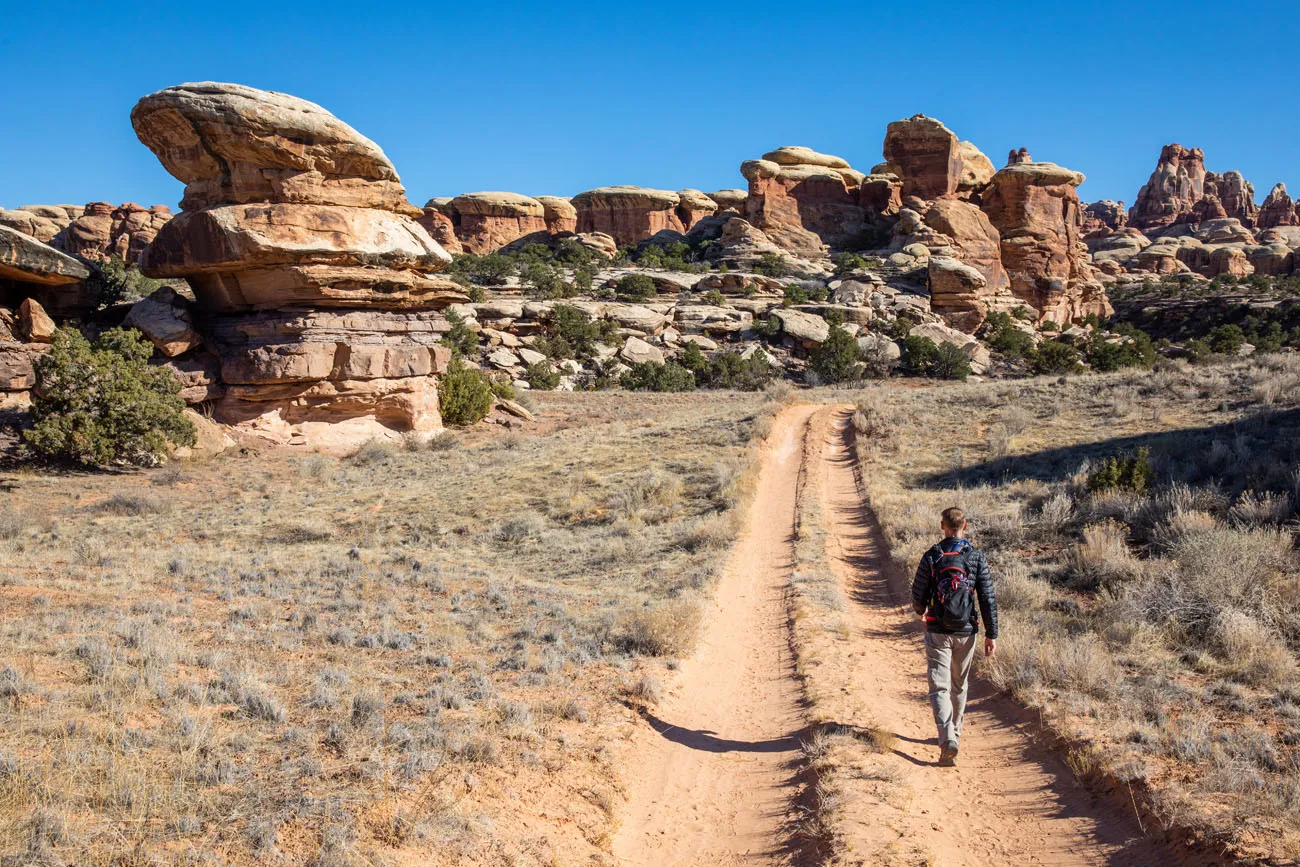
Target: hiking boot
column 948, row 755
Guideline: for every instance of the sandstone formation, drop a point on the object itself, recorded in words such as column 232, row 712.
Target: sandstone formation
column 103, row 230
column 1174, row 188
column 1035, row 207
column 1278, row 209
column 560, row 215
column 315, row 287
column 23, row 259
column 440, row 226
column 730, row 199
column 1235, row 194
column 42, row 222
column 628, row 214
column 694, row 206
column 965, row 287
column 1105, row 215
column 486, row 222
column 926, row 155
column 803, row 206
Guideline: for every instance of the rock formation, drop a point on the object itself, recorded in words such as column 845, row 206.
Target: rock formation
column 926, row 155
column 1174, row 188
column 42, row 222
column 560, row 215
column 315, row 287
column 1236, row 194
column 1035, row 207
column 730, row 199
column 1278, row 209
column 627, row 214
column 96, row 231
column 965, row 272
column 437, row 221
column 486, row 222
column 694, row 206
column 1106, row 214
column 803, row 200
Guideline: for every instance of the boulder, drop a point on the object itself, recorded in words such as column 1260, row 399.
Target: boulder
column 808, row 329
column 637, row 351
column 211, row 438
column 694, row 206
column 878, row 347
column 926, row 155
column 486, row 222
column 34, row 324
column 957, row 293
column 231, row 144
column 730, row 199
column 23, row 259
column 627, row 214
column 164, row 317
column 17, row 365
column 965, row 233
column 976, row 169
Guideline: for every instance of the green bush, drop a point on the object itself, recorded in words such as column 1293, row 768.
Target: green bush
column 1006, row 340
column 1055, row 357
column 653, row 376
column 1136, row 351
column 114, row 281
column 570, row 333
column 838, row 359
column 797, row 294
column 920, row 356
column 104, row 403
column 730, row 370
column 1227, row 339
column 464, row 395
column 544, row 281
column 489, row 270
column 694, row 361
column 950, row 362
column 846, row 262
column 459, row 338
column 714, row 297
column 636, row 287
column 772, row 265
column 541, row 376
column 1125, row 473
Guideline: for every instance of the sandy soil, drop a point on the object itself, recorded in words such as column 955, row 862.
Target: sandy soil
column 714, row 774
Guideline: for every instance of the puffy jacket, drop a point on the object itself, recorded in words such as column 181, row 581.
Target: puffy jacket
column 977, row 566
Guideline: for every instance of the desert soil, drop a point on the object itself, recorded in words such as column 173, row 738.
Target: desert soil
column 714, row 775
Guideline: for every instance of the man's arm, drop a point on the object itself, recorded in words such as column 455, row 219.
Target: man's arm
column 921, row 588
column 987, row 598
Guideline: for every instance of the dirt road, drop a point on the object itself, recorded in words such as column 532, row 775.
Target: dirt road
column 714, row 776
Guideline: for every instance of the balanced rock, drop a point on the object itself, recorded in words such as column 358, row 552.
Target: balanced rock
column 628, row 214
column 164, row 317
column 730, row 199
column 34, row 324
column 23, row 259
column 289, row 211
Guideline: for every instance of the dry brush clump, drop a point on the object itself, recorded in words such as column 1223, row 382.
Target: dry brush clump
column 1146, row 568
column 405, row 655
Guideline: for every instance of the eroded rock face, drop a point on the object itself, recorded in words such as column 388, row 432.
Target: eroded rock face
column 231, row 144
column 42, row 222
column 560, row 215
column 103, row 230
column 926, row 155
column 23, row 259
column 1174, row 188
column 440, row 227
column 1106, row 214
column 1036, row 209
column 694, row 206
column 488, row 221
column 316, row 289
column 730, row 199
column 628, row 214
column 803, row 206
column 1235, row 193
column 969, row 281
column 1278, row 209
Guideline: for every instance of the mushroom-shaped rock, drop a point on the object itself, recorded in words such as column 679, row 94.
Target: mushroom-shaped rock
column 694, row 206
column 231, row 144
column 628, row 214
column 489, row 221
column 560, row 214
column 797, row 155
column 733, row 199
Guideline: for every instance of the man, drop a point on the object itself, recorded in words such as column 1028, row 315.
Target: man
column 951, row 577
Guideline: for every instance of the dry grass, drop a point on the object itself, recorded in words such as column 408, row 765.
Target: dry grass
column 1154, row 629
column 405, row 656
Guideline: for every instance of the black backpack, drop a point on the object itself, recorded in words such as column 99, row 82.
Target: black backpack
column 952, row 602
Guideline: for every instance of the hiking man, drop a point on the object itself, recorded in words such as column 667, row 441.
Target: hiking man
column 951, row 577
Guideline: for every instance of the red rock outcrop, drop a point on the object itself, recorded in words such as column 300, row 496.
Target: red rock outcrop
column 440, row 226
column 1278, row 209
column 964, row 295
column 803, row 200
column 1015, row 157
column 42, row 222
column 976, row 169
column 1173, row 189
column 315, row 286
column 1105, row 215
column 730, row 199
column 103, row 231
column 626, row 213
column 560, row 215
column 1236, row 194
column 486, row 222
column 926, row 155
column 1036, row 209
column 694, row 206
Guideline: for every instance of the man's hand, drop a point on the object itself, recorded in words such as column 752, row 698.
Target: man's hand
column 990, row 647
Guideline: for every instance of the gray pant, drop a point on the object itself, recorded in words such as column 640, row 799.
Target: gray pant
column 948, row 659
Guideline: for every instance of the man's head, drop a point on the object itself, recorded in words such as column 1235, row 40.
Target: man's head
column 953, row 522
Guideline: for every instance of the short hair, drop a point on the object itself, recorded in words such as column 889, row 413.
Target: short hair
column 954, row 518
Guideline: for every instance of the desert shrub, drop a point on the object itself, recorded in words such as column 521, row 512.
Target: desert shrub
column 846, row 262
column 104, row 403
column 1123, row 473
column 114, row 281
column 653, row 376
column 950, row 362
column 837, row 359
column 461, row 340
column 1137, row 350
column 802, row 293
column 1055, row 357
column 1006, row 340
column 666, row 629
column 464, row 395
column 542, row 376
column 1227, row 339
column 693, row 360
column 571, row 333
column 921, row 357
column 731, row 370
column 714, row 297
column 489, row 270
column 772, row 265
column 636, row 287
column 1102, row 558
column 544, row 281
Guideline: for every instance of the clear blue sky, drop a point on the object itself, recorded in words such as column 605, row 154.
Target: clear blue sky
column 555, row 98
